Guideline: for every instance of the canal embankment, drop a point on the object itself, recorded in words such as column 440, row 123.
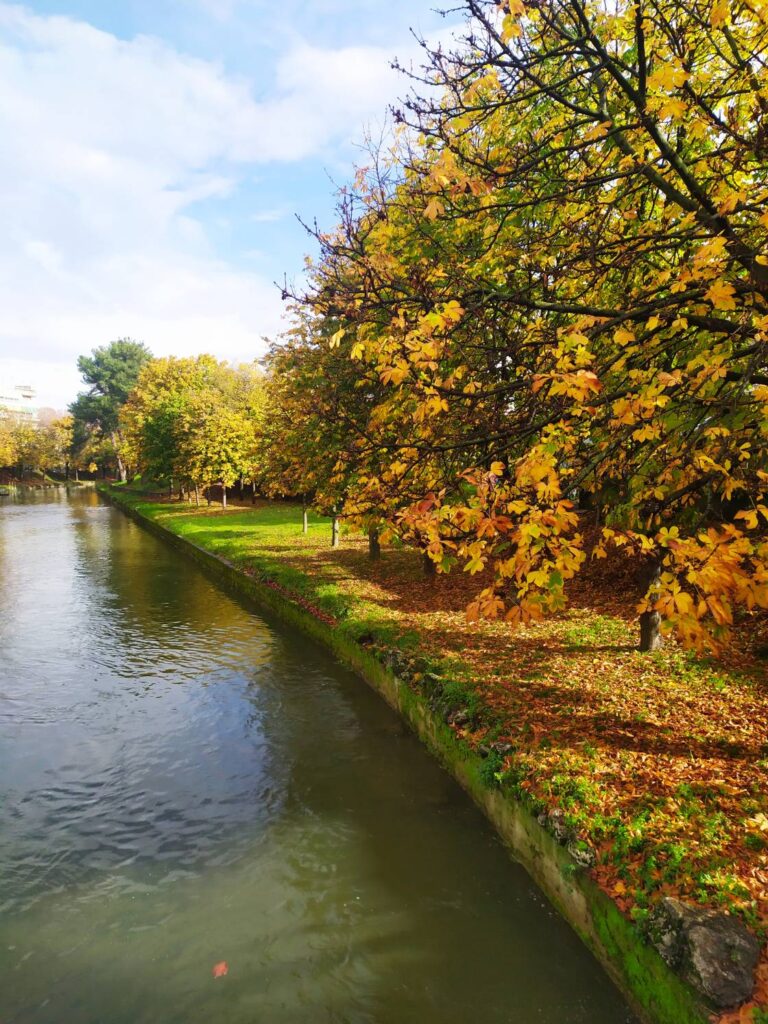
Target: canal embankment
column 536, row 750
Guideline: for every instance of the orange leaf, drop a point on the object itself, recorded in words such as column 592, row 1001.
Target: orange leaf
column 220, row 969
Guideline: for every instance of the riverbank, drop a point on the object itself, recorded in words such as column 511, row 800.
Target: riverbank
column 647, row 771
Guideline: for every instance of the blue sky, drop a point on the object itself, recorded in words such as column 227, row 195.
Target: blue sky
column 155, row 155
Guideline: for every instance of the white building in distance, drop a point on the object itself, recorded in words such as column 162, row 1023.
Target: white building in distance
column 17, row 403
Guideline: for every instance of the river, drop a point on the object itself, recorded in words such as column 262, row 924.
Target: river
column 185, row 783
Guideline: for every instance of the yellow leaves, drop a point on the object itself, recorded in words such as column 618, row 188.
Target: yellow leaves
column 730, row 201
column 437, row 321
column 750, row 516
column 712, row 250
column 476, row 558
column 683, row 602
column 662, row 81
column 623, row 412
column 623, row 336
column 667, row 76
column 599, row 131
column 497, row 468
column 488, row 605
column 721, row 295
column 668, row 380
column 648, row 432
column 578, row 385
column 510, row 29
column 435, row 405
column 721, row 14
column 668, row 535
column 395, row 374
column 452, row 311
column 510, row 26
column 337, row 338
column 433, row 209
column 758, row 823
column 673, row 108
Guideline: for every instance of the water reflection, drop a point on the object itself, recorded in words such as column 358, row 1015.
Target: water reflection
column 183, row 783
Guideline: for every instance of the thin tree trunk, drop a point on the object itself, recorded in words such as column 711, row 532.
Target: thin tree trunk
column 223, row 495
column 650, row 621
column 304, row 518
column 374, row 544
column 197, row 496
column 115, row 439
column 66, row 470
column 170, row 488
column 335, row 532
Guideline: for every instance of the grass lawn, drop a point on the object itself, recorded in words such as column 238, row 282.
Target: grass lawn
column 659, row 762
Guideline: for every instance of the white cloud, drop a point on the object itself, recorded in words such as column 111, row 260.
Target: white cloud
column 107, row 144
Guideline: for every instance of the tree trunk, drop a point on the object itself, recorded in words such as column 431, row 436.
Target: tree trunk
column 650, row 635
column 374, row 544
column 650, row 621
column 170, row 488
column 77, row 475
column 223, row 495
column 115, row 438
column 240, row 489
column 197, row 496
column 304, row 519
column 335, row 532
column 430, row 568
column 253, row 492
column 66, row 470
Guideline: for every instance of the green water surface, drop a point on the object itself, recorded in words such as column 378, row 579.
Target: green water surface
column 184, row 783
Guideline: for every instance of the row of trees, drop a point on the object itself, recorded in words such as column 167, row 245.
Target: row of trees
column 195, row 423
column 40, row 447
column 551, row 293
column 548, row 297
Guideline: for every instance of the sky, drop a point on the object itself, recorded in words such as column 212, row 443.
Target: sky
column 155, row 155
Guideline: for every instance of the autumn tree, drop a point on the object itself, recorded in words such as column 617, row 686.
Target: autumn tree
column 564, row 291
column 217, row 442
column 53, row 445
column 193, row 421
column 316, row 445
column 8, row 454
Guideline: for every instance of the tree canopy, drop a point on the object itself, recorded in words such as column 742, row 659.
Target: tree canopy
column 111, row 372
column 561, row 281
column 538, row 330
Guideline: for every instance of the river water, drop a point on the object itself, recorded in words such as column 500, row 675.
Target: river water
column 184, row 783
